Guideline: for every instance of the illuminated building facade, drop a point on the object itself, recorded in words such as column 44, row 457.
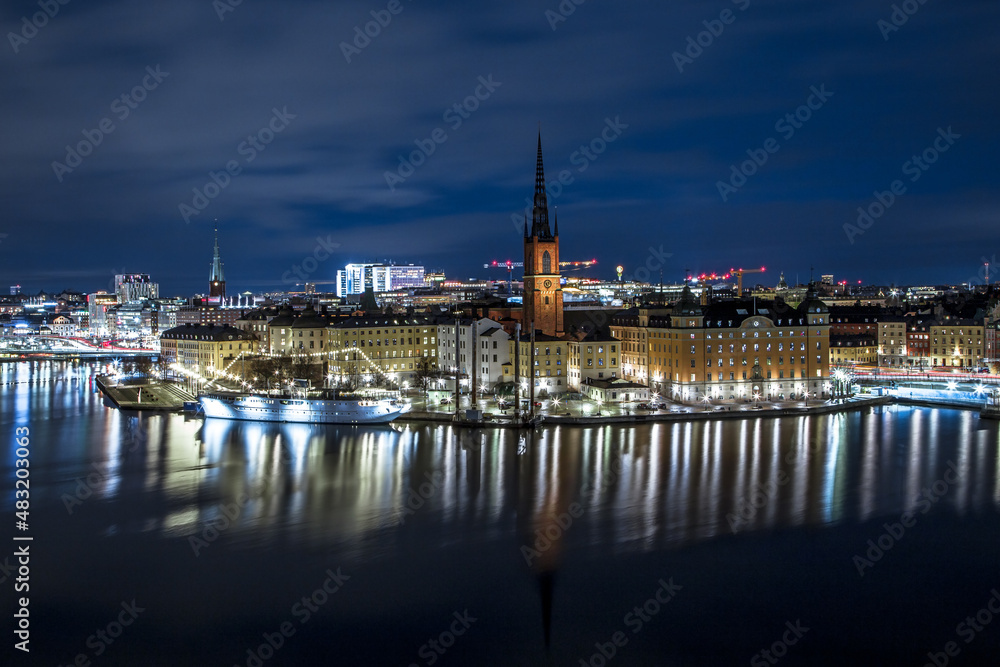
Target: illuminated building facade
column 133, row 287
column 543, row 297
column 356, row 278
column 729, row 349
column 202, row 346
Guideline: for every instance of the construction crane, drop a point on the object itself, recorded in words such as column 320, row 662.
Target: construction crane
column 510, row 264
column 739, row 278
column 733, row 273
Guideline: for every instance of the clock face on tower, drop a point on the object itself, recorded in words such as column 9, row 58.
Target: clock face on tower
column 547, row 284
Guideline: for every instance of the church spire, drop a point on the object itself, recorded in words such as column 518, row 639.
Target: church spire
column 556, row 212
column 217, row 278
column 540, row 210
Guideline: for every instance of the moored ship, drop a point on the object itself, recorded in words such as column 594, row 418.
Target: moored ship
column 323, row 409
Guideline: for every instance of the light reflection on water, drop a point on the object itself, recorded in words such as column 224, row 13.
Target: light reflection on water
column 642, row 488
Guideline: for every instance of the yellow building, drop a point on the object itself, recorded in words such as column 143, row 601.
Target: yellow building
column 891, row 341
column 731, row 349
column 957, row 343
column 391, row 345
column 202, row 347
column 303, row 334
column 551, row 363
column 853, row 350
column 596, row 357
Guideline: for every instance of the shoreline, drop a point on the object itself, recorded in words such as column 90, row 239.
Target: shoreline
column 848, row 405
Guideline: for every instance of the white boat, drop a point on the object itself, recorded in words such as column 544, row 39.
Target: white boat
column 303, row 410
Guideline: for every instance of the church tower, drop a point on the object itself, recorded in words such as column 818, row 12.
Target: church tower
column 543, row 297
column 217, row 279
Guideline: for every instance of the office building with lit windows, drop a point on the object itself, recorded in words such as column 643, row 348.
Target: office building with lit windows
column 356, row 278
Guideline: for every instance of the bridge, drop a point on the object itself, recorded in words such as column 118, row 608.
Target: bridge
column 63, row 347
column 969, row 390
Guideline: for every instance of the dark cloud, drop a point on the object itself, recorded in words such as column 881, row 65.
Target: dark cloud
column 324, row 173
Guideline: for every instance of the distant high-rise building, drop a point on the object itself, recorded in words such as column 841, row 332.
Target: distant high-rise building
column 543, row 297
column 356, row 278
column 98, row 306
column 132, row 287
column 217, row 279
column 826, row 279
column 15, row 290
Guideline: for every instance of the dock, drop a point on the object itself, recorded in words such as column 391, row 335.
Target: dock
column 160, row 396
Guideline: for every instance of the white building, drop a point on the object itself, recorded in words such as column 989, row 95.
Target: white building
column 63, row 325
column 132, row 287
column 356, row 278
column 489, row 350
column 98, row 305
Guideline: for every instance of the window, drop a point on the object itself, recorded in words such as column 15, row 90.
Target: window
column 546, row 264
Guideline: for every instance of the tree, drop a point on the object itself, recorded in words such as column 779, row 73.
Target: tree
column 423, row 374
column 142, row 366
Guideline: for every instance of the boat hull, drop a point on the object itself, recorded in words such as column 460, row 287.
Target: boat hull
column 299, row 410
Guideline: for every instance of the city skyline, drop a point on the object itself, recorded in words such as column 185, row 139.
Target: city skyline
column 738, row 134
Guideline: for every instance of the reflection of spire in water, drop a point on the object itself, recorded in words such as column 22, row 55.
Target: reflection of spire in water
column 641, row 488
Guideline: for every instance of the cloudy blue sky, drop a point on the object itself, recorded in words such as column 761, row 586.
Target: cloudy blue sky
column 685, row 113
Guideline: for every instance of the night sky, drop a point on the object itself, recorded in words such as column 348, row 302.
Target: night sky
column 675, row 116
